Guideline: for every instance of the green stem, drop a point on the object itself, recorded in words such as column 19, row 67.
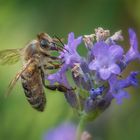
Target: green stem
column 80, row 127
column 83, row 120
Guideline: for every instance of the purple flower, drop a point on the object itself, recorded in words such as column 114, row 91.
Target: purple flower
column 66, row 131
column 117, row 86
column 70, row 55
column 133, row 52
column 59, row 77
column 105, row 58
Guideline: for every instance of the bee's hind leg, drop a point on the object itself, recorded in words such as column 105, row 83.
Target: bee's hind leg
column 58, row 87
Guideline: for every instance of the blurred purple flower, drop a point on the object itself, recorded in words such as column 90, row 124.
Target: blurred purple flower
column 105, row 59
column 66, row 131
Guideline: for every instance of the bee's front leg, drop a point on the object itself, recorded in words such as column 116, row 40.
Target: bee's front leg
column 53, row 57
column 52, row 67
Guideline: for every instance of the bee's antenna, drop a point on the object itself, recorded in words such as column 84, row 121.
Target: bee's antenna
column 59, row 40
column 58, row 45
column 61, row 47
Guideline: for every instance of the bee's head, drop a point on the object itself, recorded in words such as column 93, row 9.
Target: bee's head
column 46, row 42
column 49, row 44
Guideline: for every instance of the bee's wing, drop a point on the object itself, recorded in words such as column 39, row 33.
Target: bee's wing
column 10, row 56
column 16, row 78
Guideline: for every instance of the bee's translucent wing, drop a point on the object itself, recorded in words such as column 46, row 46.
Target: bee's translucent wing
column 16, row 78
column 10, row 56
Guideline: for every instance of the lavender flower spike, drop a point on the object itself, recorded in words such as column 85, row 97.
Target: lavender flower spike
column 96, row 78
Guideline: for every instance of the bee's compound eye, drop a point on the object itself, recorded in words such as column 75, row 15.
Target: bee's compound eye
column 44, row 43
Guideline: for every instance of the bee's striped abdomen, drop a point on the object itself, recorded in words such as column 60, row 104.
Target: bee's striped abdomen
column 33, row 87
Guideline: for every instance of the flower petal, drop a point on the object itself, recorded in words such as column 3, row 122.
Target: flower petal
column 75, row 43
column 133, row 52
column 93, row 65
column 116, row 52
column 70, row 55
column 70, row 38
column 133, row 38
column 114, row 68
column 131, row 80
column 120, row 96
column 104, row 73
column 99, row 49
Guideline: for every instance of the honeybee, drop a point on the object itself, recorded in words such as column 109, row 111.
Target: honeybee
column 36, row 60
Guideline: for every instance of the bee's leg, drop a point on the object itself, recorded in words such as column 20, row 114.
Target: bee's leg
column 42, row 76
column 52, row 67
column 58, row 87
column 53, row 57
column 52, row 87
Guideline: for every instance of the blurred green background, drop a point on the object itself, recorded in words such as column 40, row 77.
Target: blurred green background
column 20, row 22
